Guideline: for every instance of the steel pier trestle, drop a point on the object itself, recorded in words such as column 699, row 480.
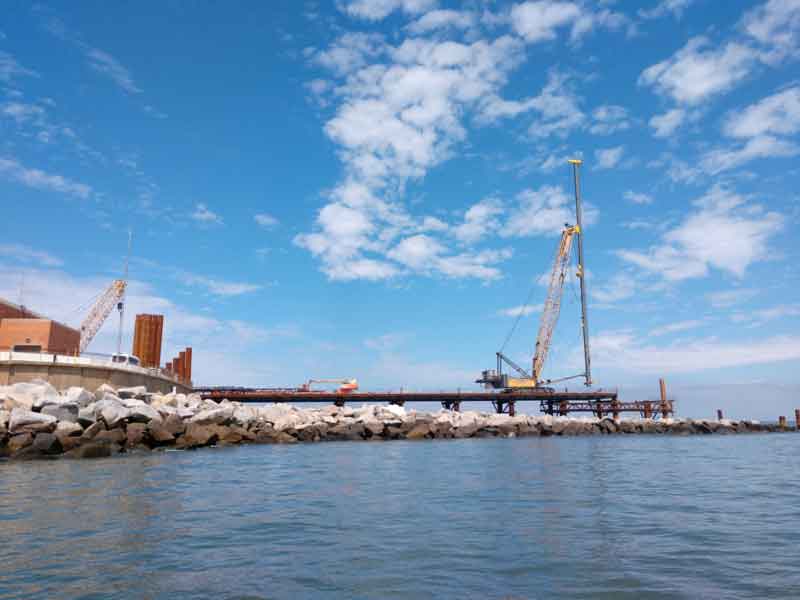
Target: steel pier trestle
column 600, row 402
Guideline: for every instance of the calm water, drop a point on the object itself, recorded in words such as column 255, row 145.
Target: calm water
column 635, row 517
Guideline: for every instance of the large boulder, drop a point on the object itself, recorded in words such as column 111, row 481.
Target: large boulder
column 174, row 424
column 111, row 410
column 159, row 434
column 5, row 415
column 69, row 434
column 79, row 396
column 198, row 435
column 139, row 392
column 29, row 396
column 112, row 436
column 135, row 434
column 143, row 414
column 63, row 411
column 47, row 444
column 17, row 442
column 213, row 416
column 93, row 450
column 104, row 389
column 26, row 421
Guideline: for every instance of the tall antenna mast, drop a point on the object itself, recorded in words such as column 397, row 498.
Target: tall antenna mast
column 121, row 303
column 576, row 163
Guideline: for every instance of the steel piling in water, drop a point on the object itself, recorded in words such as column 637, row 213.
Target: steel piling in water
column 719, row 414
column 782, row 422
column 797, row 419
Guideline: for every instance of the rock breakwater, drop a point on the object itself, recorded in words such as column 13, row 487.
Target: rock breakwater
column 36, row 421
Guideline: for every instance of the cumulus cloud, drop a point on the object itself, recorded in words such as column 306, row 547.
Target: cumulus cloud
column 35, row 178
column 442, row 19
column 540, row 20
column 611, row 349
column 543, row 212
column 608, row 119
column 775, row 25
column 666, row 124
column 26, row 254
column 698, row 71
column 202, row 214
column 608, row 158
column 265, row 220
column 666, row 7
column 637, row 197
column 725, row 232
column 762, row 146
column 620, row 287
column 778, row 114
column 378, row 9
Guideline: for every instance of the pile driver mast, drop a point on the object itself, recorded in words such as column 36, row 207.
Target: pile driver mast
column 551, row 311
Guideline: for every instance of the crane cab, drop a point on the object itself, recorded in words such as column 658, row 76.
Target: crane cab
column 126, row 359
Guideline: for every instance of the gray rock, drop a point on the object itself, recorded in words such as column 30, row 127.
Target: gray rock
column 115, row 436
column 214, row 416
column 104, row 389
column 111, row 410
column 93, row 450
column 93, row 430
column 22, row 421
column 419, row 431
column 64, row 411
column 5, row 415
column 28, row 396
column 198, row 435
column 47, row 443
column 79, row 396
column 139, row 392
column 143, row 414
column 86, row 415
column 17, row 442
column 135, row 434
column 174, row 425
column 159, row 433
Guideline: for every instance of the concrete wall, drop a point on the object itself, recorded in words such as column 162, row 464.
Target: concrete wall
column 62, row 376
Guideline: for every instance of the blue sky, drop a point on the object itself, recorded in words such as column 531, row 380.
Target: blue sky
column 372, row 189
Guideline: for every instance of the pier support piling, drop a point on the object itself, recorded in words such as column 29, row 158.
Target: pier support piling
column 719, row 414
column 782, row 422
column 797, row 419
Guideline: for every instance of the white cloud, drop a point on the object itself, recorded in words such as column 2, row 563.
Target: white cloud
column 638, row 197
column 676, row 327
column 665, row 7
column 697, row 72
column 378, row 9
column 396, row 120
column 615, row 349
column 40, row 180
column 725, row 233
column 666, row 124
column 558, row 107
column 520, row 311
column 608, row 158
column 541, row 212
column 619, row 287
column 728, row 298
column 441, row 19
column 538, row 21
column 479, row 221
column 417, row 252
column 776, row 25
column 104, row 63
column 21, row 112
column 265, row 220
column 781, row 311
column 215, row 286
column 763, row 146
column 10, row 68
column 608, row 119
column 23, row 253
column 350, row 51
column 778, row 114
column 202, row 214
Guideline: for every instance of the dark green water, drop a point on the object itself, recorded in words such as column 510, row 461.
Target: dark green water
column 600, row 517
